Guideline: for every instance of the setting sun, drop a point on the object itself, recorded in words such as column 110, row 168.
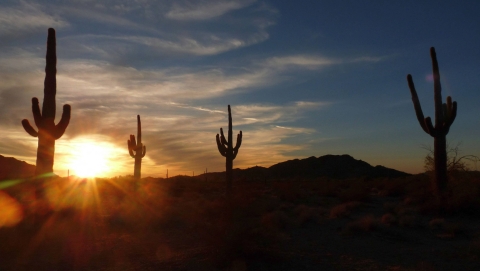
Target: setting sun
column 91, row 159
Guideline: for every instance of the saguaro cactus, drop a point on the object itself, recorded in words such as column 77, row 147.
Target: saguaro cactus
column 136, row 149
column 444, row 116
column 48, row 132
column 226, row 149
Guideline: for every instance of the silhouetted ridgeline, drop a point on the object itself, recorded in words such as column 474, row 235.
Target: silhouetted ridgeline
column 330, row 166
column 11, row 168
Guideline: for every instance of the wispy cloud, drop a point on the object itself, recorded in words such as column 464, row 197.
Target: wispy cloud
column 129, row 29
column 204, row 10
column 304, row 61
column 209, row 44
column 313, row 62
column 24, row 19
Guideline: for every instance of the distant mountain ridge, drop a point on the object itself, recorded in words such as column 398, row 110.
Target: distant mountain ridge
column 330, row 166
column 11, row 168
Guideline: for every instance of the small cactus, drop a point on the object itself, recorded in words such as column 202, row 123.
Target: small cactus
column 226, row 149
column 47, row 132
column 136, row 149
column 444, row 116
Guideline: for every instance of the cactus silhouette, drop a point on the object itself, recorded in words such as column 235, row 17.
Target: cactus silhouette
column 136, row 149
column 47, row 132
column 226, row 149
column 444, row 116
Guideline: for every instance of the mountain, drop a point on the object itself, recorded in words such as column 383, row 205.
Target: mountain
column 330, row 166
column 11, row 168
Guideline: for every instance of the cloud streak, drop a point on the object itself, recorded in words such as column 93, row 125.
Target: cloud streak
column 204, row 10
column 17, row 22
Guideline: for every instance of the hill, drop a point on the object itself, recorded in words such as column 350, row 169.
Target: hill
column 11, row 168
column 330, row 166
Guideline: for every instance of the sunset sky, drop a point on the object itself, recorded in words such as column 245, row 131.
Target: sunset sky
column 304, row 78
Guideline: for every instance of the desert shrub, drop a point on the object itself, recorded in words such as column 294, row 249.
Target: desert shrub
column 456, row 163
column 344, row 209
column 356, row 191
column 424, row 266
column 277, row 220
column 436, row 223
column 388, row 219
column 305, row 214
column 327, row 187
column 363, row 224
column 390, row 207
column 408, row 220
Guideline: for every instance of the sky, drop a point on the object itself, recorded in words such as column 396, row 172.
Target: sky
column 303, row 78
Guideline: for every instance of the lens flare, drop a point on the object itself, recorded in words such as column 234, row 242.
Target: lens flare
column 11, row 213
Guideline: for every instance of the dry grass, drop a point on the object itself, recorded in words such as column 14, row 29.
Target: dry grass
column 364, row 224
column 344, row 209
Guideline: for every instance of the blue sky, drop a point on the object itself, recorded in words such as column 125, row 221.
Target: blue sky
column 304, row 78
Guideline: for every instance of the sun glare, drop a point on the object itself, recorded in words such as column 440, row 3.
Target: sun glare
column 90, row 160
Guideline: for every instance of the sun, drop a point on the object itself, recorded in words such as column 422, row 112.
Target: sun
column 90, row 159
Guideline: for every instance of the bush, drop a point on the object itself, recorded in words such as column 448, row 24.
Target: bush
column 344, row 209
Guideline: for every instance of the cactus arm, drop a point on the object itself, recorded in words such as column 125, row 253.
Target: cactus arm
column 430, row 129
column 37, row 116
column 130, row 145
column 239, row 141
column 416, row 104
column 221, row 147
column 64, row 121
column 144, row 151
column 28, row 128
column 237, row 146
column 222, row 137
column 453, row 112
column 133, row 142
column 130, row 151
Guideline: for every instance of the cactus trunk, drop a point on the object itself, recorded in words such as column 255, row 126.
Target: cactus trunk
column 440, row 161
column 45, row 153
column 138, row 167
column 226, row 149
column 48, row 132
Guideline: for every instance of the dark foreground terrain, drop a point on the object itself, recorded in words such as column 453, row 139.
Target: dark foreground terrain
column 186, row 223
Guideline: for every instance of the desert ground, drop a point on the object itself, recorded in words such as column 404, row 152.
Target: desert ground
column 187, row 223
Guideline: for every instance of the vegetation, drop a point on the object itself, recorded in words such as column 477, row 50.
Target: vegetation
column 444, row 116
column 47, row 132
column 226, row 149
column 456, row 163
column 137, row 150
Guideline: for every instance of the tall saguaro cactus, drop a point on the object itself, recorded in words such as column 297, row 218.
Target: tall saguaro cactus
column 226, row 149
column 136, row 149
column 47, row 132
column 444, row 116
